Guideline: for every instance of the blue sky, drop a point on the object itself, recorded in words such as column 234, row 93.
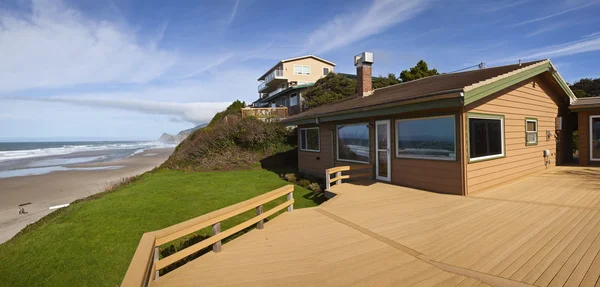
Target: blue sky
column 135, row 69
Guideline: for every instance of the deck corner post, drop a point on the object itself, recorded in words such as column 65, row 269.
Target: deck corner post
column 259, row 211
column 327, row 180
column 338, row 175
column 216, row 229
column 156, row 253
column 290, row 196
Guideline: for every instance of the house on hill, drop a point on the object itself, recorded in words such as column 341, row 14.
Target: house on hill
column 283, row 84
column 455, row 133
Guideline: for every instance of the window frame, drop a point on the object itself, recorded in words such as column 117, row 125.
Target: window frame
column 306, row 139
column 337, row 144
column 302, row 70
column 535, row 120
column 591, row 134
column 502, row 133
column 297, row 99
column 425, row 157
column 328, row 71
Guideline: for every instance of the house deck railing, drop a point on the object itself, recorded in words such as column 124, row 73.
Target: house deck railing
column 266, row 114
column 361, row 171
column 145, row 265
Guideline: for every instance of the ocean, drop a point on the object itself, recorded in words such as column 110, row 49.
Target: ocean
column 34, row 158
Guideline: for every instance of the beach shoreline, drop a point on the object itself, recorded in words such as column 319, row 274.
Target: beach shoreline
column 62, row 187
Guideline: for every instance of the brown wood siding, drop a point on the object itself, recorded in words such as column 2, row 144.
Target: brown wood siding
column 433, row 175
column 315, row 163
column 530, row 99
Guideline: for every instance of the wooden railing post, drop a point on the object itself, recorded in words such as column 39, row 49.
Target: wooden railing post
column 338, row 175
column 156, row 252
column 216, row 229
column 327, row 180
column 259, row 211
column 290, row 196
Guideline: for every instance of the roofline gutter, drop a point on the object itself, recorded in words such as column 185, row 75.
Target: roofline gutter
column 452, row 97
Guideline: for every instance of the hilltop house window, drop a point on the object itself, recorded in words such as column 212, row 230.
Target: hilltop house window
column 325, row 71
column 293, row 100
column 531, row 131
column 486, row 137
column 301, row 70
column 309, row 139
column 427, row 138
column 353, row 143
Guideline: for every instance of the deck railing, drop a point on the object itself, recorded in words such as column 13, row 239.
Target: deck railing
column 266, row 114
column 145, row 265
column 366, row 170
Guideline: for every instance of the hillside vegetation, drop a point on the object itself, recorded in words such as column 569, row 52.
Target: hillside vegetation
column 230, row 142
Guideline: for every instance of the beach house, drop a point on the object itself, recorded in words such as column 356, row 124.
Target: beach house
column 455, row 133
column 283, row 84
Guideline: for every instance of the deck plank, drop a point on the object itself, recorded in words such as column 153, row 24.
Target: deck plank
column 543, row 230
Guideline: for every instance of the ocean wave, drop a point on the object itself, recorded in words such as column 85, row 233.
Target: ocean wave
column 68, row 149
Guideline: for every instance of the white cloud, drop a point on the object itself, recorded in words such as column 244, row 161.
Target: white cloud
column 196, row 113
column 550, row 16
column 588, row 44
column 361, row 23
column 234, row 11
column 501, row 5
column 56, row 46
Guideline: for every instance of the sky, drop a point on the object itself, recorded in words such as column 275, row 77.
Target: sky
column 131, row 70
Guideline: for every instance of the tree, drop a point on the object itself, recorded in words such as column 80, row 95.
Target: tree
column 381, row 82
column 331, row 88
column 586, row 88
column 420, row 70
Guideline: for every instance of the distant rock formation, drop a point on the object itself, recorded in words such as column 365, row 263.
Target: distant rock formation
column 176, row 139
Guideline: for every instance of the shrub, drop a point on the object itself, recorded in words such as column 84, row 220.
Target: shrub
column 290, row 177
column 304, row 183
column 233, row 143
column 315, row 187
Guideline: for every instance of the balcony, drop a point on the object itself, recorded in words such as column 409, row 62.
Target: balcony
column 268, row 114
column 276, row 74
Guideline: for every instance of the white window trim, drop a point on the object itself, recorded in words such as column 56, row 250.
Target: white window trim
column 590, row 138
column 302, row 70
column 425, row 157
column 531, row 132
column 306, row 140
column 337, row 144
column 501, row 119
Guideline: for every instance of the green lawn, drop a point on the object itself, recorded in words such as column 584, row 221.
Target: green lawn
column 91, row 243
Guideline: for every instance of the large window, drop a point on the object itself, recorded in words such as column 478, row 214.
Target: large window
column 486, row 137
column 426, row 138
column 353, row 143
column 293, row 100
column 309, row 139
column 301, row 70
column 531, row 131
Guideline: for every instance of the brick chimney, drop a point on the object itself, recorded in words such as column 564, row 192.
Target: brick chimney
column 364, row 74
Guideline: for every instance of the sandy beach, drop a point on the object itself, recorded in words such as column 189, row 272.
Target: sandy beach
column 61, row 187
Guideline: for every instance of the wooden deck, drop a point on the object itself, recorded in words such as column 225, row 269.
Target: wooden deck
column 542, row 231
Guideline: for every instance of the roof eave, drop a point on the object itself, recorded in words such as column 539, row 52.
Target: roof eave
column 448, row 99
column 488, row 87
